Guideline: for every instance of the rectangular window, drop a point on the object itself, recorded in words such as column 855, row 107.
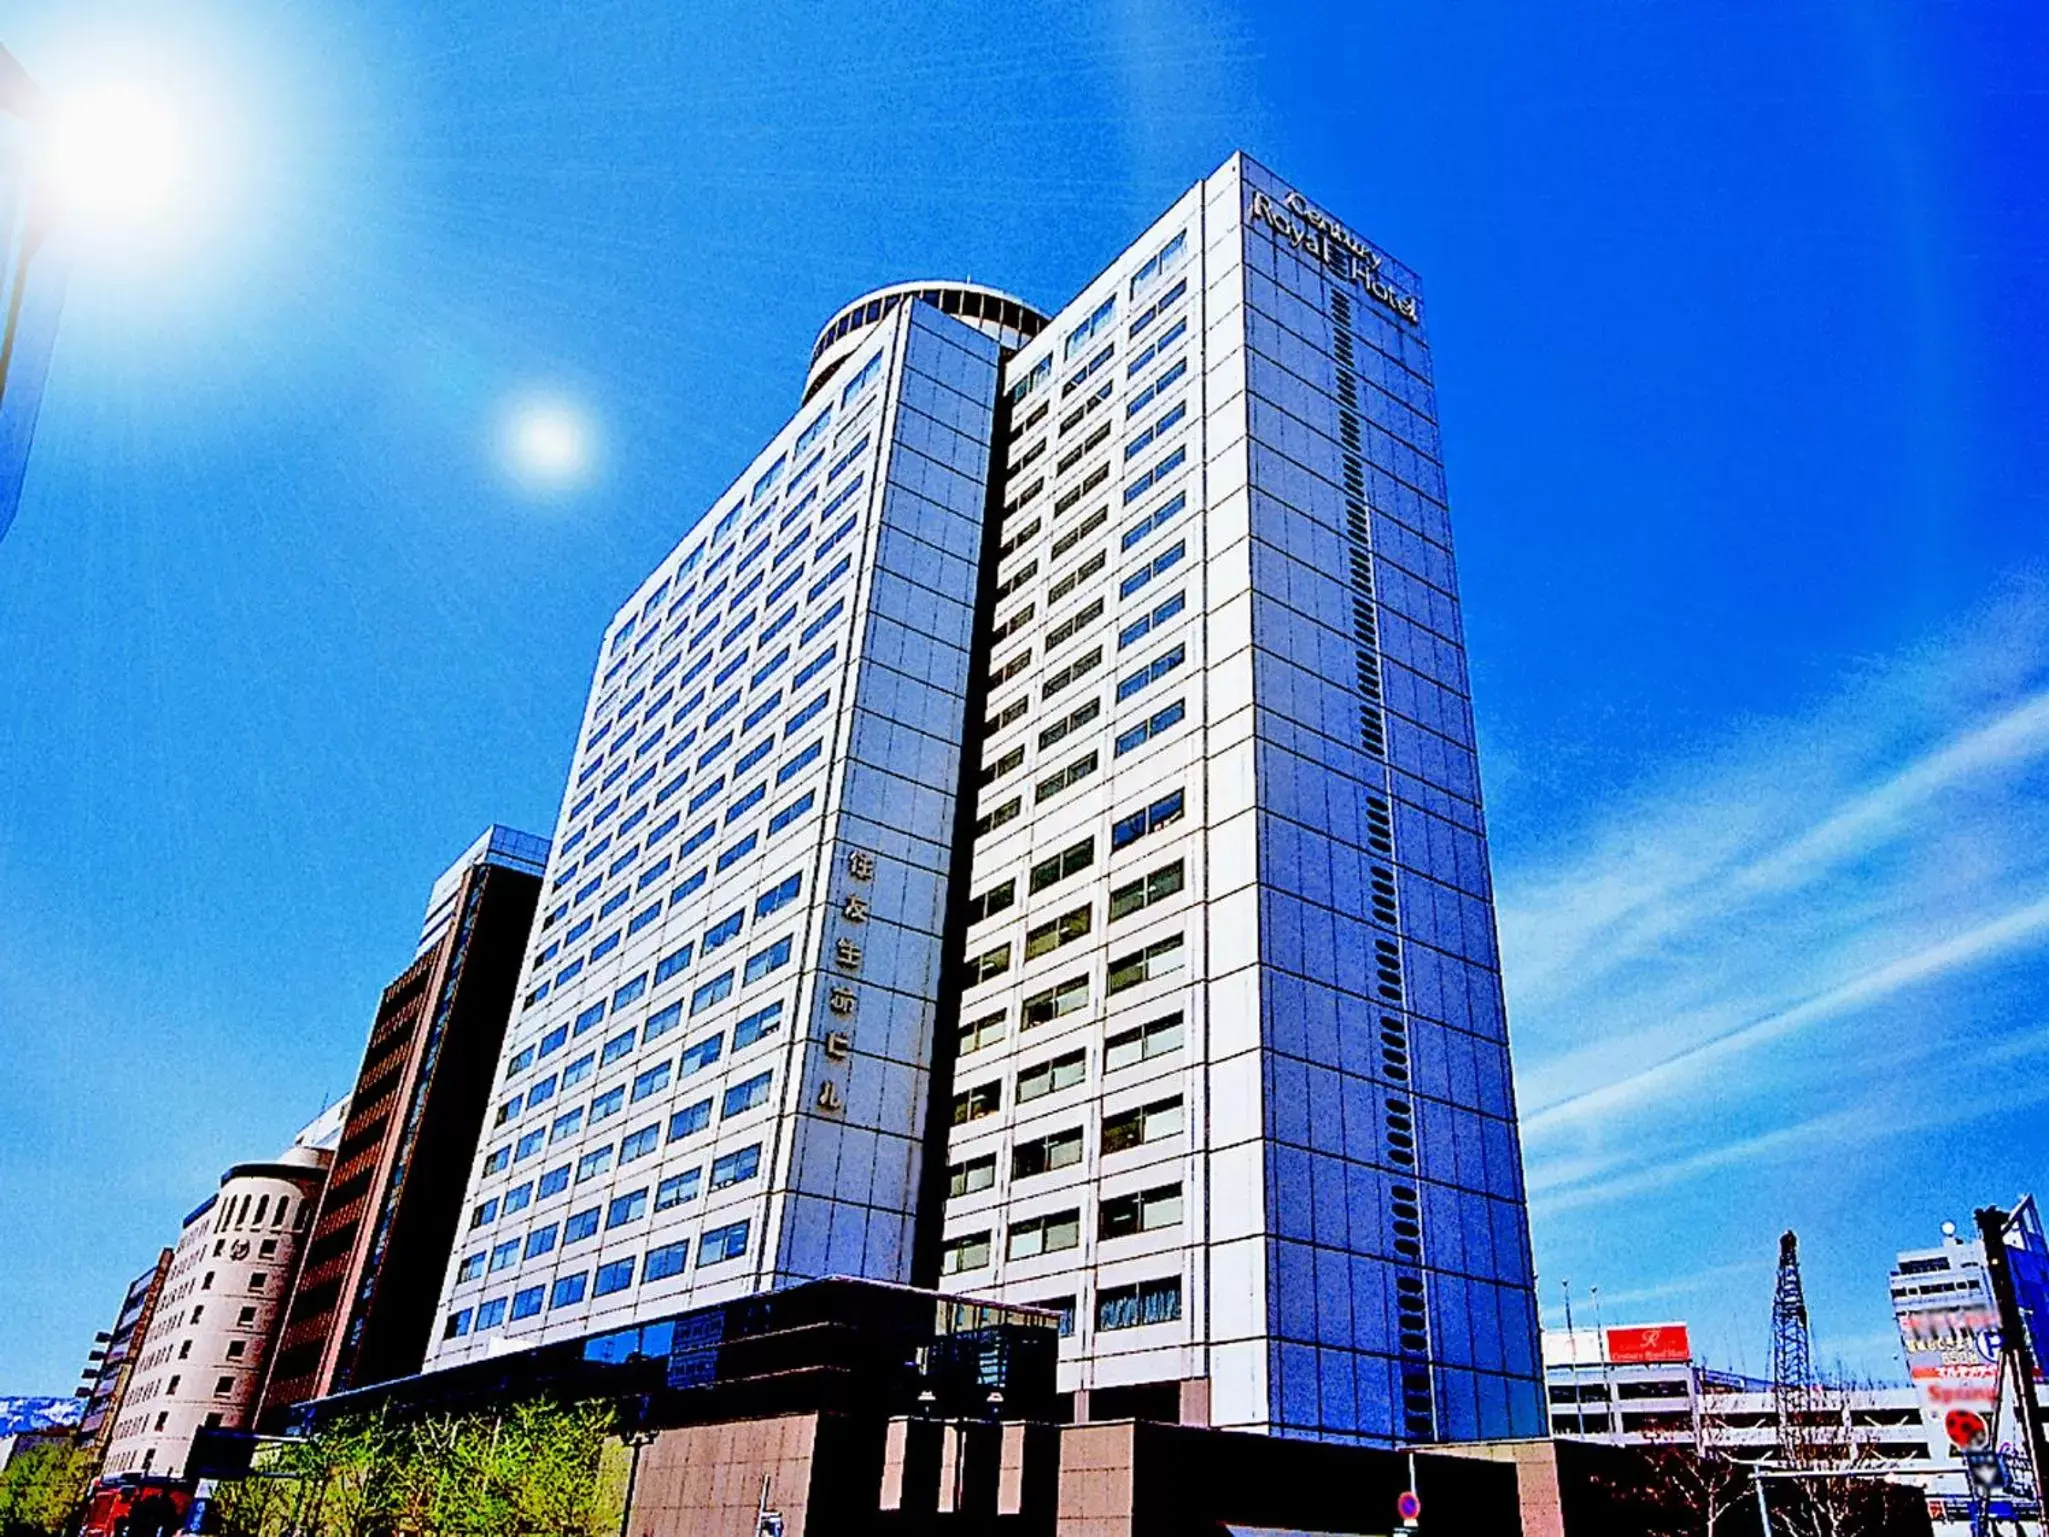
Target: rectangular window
column 762, row 1022
column 497, row 1160
column 458, row 1324
column 629, row 993
column 678, row 1189
column 590, row 1016
column 1007, row 812
column 1156, row 886
column 1062, row 1072
column 1163, row 812
column 996, row 899
column 725, row 929
column 1045, row 1235
column 736, row 1167
column 1065, row 778
column 1098, row 321
column 1069, row 861
column 1075, row 670
column 722, row 1243
column 778, row 896
column 530, row 1144
column 1142, row 1044
column 1080, row 716
column 973, row 1104
column 472, row 1267
column 505, row 1255
column 592, row 1164
column 666, row 1261
column 970, row 1251
column 661, row 1022
column 643, row 918
column 762, row 962
column 1144, row 677
column 617, row 1047
column 675, row 961
column 653, row 1081
column 1143, row 1211
column 700, row 1055
column 990, row 963
column 1149, row 1302
column 1160, row 959
column 555, row 1040
column 1042, row 1155
column 737, row 852
column 714, row 991
column 690, row 1119
column 791, row 812
column 1074, row 623
column 974, row 1175
column 580, row 1226
column 1145, row 624
column 554, row 1182
column 568, row 1291
column 991, row 772
column 526, row 1302
column 630, row 1207
column 540, row 1241
column 1063, row 930
column 798, row 764
column 614, row 1276
column 754, row 754
column 977, row 1033
column 745, row 1096
column 1156, row 724
column 1142, row 1124
column 1043, row 1008
column 567, row 1124
column 817, row 626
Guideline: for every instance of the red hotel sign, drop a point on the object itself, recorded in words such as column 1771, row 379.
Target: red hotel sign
column 1649, row 1345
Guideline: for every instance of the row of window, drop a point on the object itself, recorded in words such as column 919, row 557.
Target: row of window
column 1062, row 1149
column 714, row 1247
column 734, row 633
column 622, row 1210
column 1120, row 1216
column 736, row 1099
column 762, row 962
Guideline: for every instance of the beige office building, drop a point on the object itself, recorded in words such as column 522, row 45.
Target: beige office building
column 203, row 1359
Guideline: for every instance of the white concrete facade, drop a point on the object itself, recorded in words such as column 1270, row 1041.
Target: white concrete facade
column 716, row 1080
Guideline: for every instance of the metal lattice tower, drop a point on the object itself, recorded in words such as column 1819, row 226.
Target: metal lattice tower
column 1792, row 1354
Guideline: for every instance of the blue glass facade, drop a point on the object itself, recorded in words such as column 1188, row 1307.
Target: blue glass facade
column 1401, row 1295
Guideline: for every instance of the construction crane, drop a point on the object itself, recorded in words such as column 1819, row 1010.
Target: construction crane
column 1792, row 1354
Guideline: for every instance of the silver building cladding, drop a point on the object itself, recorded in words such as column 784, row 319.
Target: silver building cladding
column 717, row 1074
column 1233, row 1087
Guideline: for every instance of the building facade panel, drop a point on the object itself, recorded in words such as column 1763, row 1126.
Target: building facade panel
column 716, row 1076
column 1233, row 1089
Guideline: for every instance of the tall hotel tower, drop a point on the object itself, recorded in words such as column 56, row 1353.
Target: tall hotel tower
column 717, row 1076
column 1171, row 1000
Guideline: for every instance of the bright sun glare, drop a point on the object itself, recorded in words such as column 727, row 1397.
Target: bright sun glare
column 119, row 156
column 550, row 444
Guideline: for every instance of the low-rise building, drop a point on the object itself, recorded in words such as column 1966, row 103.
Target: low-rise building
column 203, row 1359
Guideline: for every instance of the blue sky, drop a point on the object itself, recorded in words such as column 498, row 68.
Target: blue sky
column 1739, row 317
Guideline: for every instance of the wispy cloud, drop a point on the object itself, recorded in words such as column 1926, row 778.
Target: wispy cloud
column 1783, row 954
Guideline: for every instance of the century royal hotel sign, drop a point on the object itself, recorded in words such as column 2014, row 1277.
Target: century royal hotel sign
column 1309, row 228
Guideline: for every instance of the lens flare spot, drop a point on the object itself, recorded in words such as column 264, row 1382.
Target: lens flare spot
column 549, row 444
